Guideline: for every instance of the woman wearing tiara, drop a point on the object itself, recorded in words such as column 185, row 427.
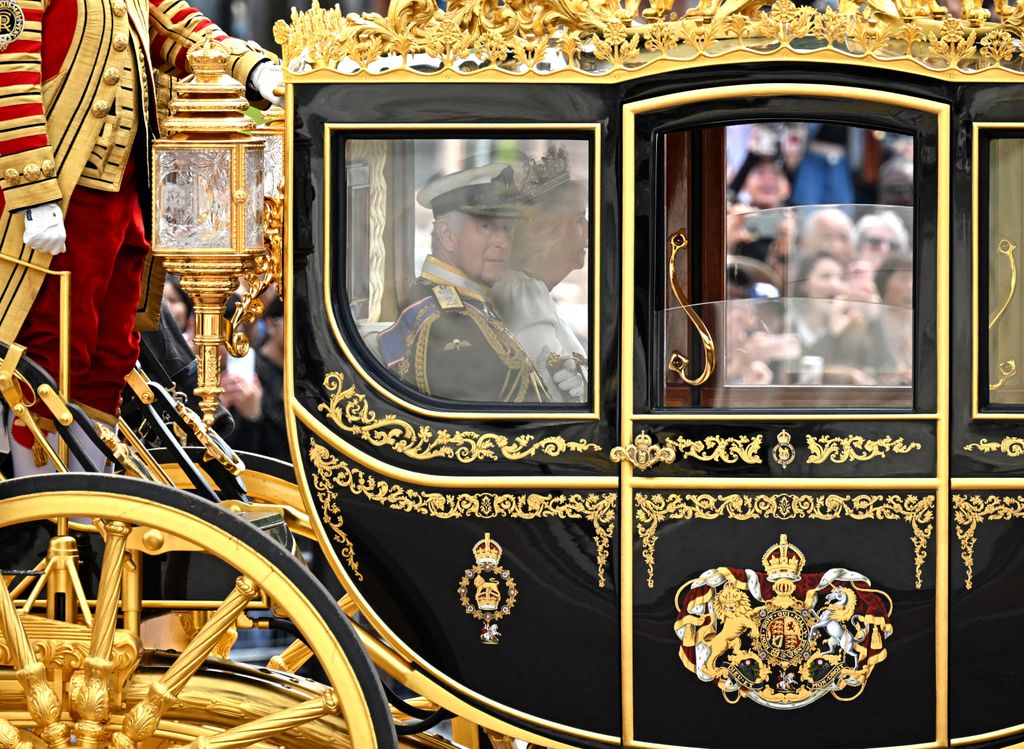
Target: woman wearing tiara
column 549, row 244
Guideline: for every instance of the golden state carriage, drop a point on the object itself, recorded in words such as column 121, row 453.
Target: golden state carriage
column 757, row 498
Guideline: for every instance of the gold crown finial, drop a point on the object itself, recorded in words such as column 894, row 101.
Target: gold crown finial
column 783, row 560
column 486, row 551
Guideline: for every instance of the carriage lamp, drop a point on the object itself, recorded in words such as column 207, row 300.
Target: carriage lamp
column 267, row 271
column 208, row 189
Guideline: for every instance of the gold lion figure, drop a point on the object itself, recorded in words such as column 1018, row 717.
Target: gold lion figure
column 732, row 608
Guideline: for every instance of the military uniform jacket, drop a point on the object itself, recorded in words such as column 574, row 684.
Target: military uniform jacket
column 73, row 74
column 449, row 342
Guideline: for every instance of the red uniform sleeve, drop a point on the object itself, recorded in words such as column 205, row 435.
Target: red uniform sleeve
column 174, row 26
column 27, row 166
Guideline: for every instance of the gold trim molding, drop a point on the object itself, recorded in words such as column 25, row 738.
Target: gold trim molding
column 654, row 509
column 350, row 412
column 717, row 449
column 855, row 448
column 553, row 38
column 1010, row 446
column 969, row 511
column 333, row 474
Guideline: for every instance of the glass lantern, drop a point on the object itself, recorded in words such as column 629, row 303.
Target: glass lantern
column 208, row 190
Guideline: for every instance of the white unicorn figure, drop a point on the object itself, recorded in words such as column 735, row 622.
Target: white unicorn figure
column 831, row 619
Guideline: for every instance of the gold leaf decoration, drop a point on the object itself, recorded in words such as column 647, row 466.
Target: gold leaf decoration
column 350, row 412
column 952, row 43
column 662, row 37
column 969, row 511
column 334, row 474
column 1010, row 446
column 855, row 448
column 716, row 449
column 654, row 509
column 327, row 39
column 998, row 46
column 786, row 22
column 831, row 26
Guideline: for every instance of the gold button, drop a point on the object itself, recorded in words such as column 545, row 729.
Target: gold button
column 120, row 42
column 120, row 8
column 32, row 172
column 100, row 108
column 111, row 76
column 12, row 176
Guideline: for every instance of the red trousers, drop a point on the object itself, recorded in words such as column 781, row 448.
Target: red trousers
column 106, row 251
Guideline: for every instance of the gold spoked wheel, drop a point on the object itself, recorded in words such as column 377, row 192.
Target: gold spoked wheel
column 75, row 672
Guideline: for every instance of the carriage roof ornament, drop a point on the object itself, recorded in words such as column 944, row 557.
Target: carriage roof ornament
column 576, row 40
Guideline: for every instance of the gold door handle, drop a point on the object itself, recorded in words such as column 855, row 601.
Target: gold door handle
column 643, row 453
column 677, row 362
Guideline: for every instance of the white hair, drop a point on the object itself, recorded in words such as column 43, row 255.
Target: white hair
column 888, row 220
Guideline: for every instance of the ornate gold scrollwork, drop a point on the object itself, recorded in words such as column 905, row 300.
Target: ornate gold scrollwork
column 854, row 448
column 1012, row 447
column 677, row 362
column 1007, row 367
column 550, row 37
column 349, row 410
column 969, row 511
column 643, row 453
column 333, row 473
column 717, row 449
column 654, row 509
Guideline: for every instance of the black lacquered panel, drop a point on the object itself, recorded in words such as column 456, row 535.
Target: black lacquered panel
column 897, row 705
column 408, row 547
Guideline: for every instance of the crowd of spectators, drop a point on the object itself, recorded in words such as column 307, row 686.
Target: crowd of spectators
column 820, row 258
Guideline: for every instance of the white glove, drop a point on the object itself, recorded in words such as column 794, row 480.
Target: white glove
column 44, row 228
column 569, row 380
column 266, row 77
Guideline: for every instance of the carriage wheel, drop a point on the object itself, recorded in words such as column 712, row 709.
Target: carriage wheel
column 89, row 682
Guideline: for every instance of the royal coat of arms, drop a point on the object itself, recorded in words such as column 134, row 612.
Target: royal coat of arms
column 783, row 638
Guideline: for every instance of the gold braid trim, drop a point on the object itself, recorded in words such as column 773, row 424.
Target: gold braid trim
column 969, row 511
column 333, row 474
column 348, row 410
column 654, row 509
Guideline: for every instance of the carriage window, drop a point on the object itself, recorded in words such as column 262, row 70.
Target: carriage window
column 1001, row 249
column 794, row 260
column 466, row 264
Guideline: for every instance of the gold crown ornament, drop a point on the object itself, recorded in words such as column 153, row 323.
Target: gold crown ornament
column 480, row 589
column 487, row 551
column 783, row 561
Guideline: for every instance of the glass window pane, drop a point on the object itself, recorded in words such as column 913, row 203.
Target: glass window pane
column 466, row 264
column 798, row 266
column 1005, row 234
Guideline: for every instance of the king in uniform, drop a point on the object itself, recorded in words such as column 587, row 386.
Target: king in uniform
column 448, row 341
column 76, row 118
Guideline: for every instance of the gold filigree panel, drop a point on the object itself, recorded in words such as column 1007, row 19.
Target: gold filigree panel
column 855, row 448
column 553, row 37
column 1012, row 447
column 717, row 449
column 969, row 511
column 349, row 411
column 332, row 474
column 654, row 509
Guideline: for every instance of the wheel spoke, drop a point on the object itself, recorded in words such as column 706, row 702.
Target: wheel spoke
column 143, row 719
column 43, row 705
column 92, row 701
column 291, row 658
column 271, row 725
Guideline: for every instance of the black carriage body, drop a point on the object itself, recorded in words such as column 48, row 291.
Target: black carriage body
column 598, row 548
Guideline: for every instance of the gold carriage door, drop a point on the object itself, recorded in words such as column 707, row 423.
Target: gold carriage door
column 784, row 442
